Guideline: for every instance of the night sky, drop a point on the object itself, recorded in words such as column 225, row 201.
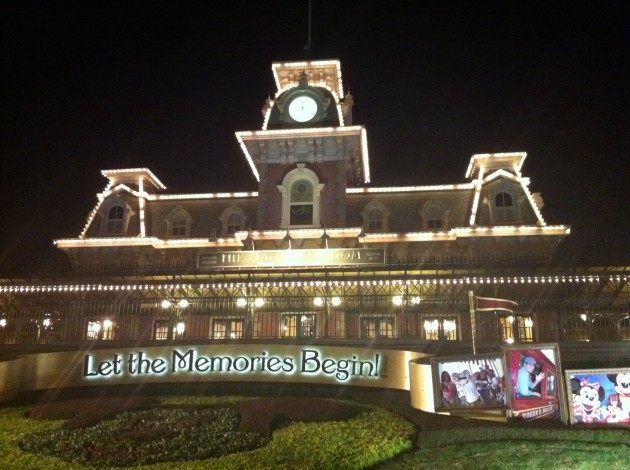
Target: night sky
column 87, row 86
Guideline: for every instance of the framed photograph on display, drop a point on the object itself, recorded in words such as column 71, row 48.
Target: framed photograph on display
column 468, row 382
column 534, row 385
column 598, row 397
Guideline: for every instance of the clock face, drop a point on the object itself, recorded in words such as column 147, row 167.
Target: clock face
column 303, row 108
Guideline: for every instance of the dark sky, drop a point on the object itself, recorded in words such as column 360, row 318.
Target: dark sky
column 87, row 86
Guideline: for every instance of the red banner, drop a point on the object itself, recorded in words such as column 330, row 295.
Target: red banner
column 487, row 304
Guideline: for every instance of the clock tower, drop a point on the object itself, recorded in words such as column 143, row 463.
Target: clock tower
column 307, row 152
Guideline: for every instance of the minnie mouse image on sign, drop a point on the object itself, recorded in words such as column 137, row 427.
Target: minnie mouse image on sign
column 621, row 382
column 587, row 400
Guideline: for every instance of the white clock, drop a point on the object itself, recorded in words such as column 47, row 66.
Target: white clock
column 303, row 108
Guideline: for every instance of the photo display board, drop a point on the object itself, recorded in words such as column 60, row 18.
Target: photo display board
column 469, row 382
column 600, row 396
column 534, row 384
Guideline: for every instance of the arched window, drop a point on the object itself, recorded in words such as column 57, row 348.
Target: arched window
column 504, row 207
column 178, row 223
column 301, row 203
column 233, row 223
column 301, row 195
column 375, row 217
column 179, row 226
column 434, row 216
column 115, row 215
column 115, row 219
column 233, row 220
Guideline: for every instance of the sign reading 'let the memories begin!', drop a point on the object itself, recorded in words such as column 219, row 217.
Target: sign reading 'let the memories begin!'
column 305, row 362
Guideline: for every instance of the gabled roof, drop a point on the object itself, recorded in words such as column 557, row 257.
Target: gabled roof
column 483, row 163
column 133, row 176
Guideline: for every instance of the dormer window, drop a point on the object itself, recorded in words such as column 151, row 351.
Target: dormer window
column 375, row 220
column 504, row 207
column 115, row 216
column 375, row 217
column 179, row 226
column 301, row 193
column 232, row 220
column 233, row 223
column 115, row 219
column 178, row 223
column 434, row 216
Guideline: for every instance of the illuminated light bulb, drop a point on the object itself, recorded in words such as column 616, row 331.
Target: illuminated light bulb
column 259, row 302
column 183, row 303
column 181, row 326
column 336, row 301
column 397, row 300
column 241, row 302
column 318, row 301
column 509, row 340
column 166, row 304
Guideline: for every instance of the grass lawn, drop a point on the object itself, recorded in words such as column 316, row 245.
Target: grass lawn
column 516, row 447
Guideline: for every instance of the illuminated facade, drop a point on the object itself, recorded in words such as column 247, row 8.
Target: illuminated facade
column 316, row 254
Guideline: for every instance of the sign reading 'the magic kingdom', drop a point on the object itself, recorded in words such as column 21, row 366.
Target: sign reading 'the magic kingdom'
column 285, row 258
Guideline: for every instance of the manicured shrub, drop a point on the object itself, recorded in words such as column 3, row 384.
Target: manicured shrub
column 146, row 437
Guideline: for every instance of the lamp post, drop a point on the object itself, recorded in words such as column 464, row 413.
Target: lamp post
column 175, row 308
column 250, row 304
column 361, row 237
column 402, row 300
column 327, row 302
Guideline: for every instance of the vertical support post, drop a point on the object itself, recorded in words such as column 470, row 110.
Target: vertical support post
column 473, row 323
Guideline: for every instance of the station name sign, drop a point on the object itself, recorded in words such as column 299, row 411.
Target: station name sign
column 292, row 258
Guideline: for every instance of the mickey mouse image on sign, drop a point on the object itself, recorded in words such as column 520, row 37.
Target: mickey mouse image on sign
column 587, row 400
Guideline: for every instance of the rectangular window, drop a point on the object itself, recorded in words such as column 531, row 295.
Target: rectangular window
column 507, row 328
column 525, row 326
column 93, row 329
column 225, row 328
column 576, row 327
column 434, row 223
column 100, row 330
column 179, row 230
column 377, row 327
column 160, row 329
column 440, row 328
column 298, row 326
column 301, row 214
column 375, row 224
column 518, row 328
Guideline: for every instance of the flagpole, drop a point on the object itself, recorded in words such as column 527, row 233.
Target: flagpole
column 473, row 326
